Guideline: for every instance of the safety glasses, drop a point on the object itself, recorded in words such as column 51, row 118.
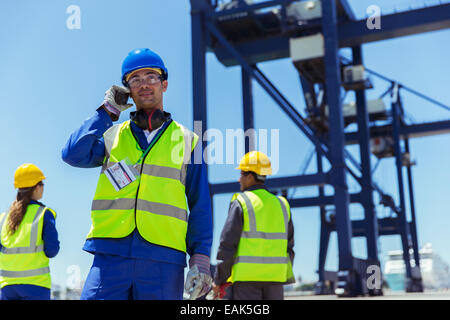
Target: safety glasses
column 151, row 78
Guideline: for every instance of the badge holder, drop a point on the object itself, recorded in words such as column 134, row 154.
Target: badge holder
column 121, row 174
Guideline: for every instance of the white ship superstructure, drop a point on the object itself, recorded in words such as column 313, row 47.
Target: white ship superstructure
column 435, row 271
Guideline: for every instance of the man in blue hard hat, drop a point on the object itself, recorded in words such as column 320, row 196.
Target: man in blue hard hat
column 141, row 229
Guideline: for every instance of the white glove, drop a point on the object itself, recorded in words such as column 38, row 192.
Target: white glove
column 116, row 99
column 197, row 283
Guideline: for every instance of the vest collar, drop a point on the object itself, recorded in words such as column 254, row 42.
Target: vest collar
column 256, row 187
column 139, row 131
column 140, row 135
column 37, row 202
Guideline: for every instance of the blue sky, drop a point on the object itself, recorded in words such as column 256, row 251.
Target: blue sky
column 53, row 78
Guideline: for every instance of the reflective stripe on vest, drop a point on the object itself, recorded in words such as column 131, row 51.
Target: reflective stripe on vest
column 21, row 264
column 24, row 274
column 189, row 140
column 261, row 260
column 154, row 170
column 156, row 202
column 152, row 207
column 261, row 254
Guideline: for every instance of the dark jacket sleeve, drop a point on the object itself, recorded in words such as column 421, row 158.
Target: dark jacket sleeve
column 50, row 235
column 291, row 240
column 229, row 241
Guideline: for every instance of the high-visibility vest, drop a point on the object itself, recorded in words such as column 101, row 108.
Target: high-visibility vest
column 262, row 251
column 22, row 257
column 155, row 202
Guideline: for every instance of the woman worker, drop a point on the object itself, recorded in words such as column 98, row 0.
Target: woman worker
column 28, row 239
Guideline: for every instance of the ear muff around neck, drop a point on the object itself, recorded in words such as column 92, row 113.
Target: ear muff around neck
column 148, row 121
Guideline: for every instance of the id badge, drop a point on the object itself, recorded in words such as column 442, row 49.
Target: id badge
column 120, row 175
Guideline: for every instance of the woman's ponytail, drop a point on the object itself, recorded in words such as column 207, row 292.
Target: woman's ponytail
column 19, row 208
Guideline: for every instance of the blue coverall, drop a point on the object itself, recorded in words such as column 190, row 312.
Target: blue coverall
column 51, row 249
column 131, row 267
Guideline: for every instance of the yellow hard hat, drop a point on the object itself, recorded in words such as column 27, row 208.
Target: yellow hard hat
column 27, row 175
column 256, row 162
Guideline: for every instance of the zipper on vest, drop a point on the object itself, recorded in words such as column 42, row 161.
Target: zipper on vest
column 142, row 168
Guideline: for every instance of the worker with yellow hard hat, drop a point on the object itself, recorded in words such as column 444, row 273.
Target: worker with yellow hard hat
column 28, row 238
column 256, row 245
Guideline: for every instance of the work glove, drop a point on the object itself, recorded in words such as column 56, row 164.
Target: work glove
column 218, row 291
column 115, row 100
column 198, row 279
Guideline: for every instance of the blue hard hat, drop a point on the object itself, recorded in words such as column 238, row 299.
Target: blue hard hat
column 142, row 58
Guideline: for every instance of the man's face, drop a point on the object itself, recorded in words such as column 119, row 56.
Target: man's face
column 246, row 180
column 146, row 95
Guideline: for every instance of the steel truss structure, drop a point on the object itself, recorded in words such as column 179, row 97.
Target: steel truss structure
column 246, row 34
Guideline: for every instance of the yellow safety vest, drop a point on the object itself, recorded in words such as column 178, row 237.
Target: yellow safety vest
column 22, row 258
column 262, row 251
column 155, row 203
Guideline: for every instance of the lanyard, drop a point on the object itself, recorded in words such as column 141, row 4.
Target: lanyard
column 154, row 140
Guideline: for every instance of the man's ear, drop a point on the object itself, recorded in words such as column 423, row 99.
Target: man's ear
column 165, row 84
